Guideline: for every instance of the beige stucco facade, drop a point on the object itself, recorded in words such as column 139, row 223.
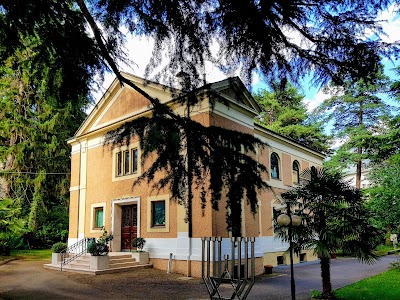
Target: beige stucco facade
column 95, row 185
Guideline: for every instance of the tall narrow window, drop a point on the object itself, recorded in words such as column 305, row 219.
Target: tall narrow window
column 135, row 160
column 98, row 217
column 119, row 164
column 274, row 166
column 126, row 162
column 158, row 213
column 296, row 172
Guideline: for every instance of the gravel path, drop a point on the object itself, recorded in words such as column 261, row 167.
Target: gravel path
column 21, row 279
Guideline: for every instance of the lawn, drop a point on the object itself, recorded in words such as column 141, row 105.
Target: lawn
column 43, row 254
column 385, row 286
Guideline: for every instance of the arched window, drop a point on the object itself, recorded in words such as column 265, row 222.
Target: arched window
column 274, row 166
column 296, row 172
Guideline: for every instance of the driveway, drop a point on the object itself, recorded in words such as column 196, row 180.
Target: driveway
column 344, row 271
column 29, row 280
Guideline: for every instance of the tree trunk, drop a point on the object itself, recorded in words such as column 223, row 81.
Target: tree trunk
column 358, row 171
column 326, row 277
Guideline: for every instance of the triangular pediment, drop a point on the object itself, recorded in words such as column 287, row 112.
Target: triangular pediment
column 234, row 91
column 121, row 102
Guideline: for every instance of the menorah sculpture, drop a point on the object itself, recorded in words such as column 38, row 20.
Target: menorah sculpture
column 221, row 272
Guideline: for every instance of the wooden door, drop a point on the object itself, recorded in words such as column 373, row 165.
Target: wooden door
column 128, row 226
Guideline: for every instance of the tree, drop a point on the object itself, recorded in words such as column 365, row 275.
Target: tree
column 285, row 113
column 333, row 217
column 384, row 193
column 356, row 109
column 251, row 35
column 40, row 107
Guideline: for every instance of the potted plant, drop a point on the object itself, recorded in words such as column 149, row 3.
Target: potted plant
column 139, row 255
column 57, row 248
column 98, row 248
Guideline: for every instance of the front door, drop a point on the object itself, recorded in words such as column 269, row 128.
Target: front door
column 129, row 226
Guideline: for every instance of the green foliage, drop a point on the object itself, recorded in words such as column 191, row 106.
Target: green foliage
column 252, row 35
column 99, row 247
column 43, row 89
column 334, row 217
column 384, row 195
column 11, row 226
column 285, row 113
column 383, row 286
column 356, row 110
column 139, row 243
column 59, row 247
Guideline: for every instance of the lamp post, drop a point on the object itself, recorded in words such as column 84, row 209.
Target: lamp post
column 290, row 221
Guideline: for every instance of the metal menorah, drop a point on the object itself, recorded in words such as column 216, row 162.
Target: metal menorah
column 216, row 271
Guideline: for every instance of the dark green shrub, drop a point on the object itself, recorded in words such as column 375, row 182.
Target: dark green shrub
column 59, row 247
column 99, row 247
column 139, row 243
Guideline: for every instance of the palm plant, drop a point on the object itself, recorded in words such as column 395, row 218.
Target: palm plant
column 333, row 217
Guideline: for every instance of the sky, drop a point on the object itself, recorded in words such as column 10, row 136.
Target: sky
column 140, row 50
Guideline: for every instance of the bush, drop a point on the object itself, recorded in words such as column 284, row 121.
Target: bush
column 99, row 247
column 59, row 247
column 5, row 248
column 139, row 243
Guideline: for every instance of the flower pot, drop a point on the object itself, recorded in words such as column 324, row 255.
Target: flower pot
column 99, row 262
column 141, row 257
column 55, row 258
column 268, row 269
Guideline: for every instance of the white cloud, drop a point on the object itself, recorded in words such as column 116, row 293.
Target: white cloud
column 390, row 22
column 316, row 100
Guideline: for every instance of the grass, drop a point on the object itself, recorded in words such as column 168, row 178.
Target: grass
column 385, row 286
column 43, row 254
column 383, row 249
column 380, row 251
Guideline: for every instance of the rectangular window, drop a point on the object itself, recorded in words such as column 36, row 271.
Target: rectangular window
column 119, row 164
column 98, row 217
column 126, row 162
column 158, row 213
column 135, row 160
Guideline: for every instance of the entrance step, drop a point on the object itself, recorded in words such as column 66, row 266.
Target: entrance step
column 119, row 262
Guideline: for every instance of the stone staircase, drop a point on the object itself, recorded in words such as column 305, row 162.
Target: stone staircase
column 119, row 262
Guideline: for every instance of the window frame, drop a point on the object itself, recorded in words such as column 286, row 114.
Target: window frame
column 297, row 174
column 126, row 162
column 278, row 177
column 93, row 208
column 153, row 213
column 149, row 220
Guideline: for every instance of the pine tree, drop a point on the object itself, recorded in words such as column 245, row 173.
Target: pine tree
column 34, row 126
column 356, row 110
column 285, row 113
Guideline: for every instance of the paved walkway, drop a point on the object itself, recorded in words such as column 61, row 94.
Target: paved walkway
column 344, row 271
column 29, row 280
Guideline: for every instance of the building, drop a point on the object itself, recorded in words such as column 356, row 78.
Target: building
column 101, row 192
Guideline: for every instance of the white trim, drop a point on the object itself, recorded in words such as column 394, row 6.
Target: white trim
column 162, row 247
column 74, row 188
